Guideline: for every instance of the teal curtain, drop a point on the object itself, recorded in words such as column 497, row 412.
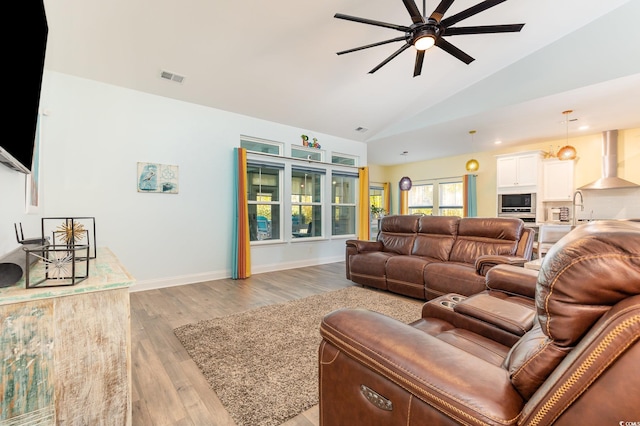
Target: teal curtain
column 471, row 197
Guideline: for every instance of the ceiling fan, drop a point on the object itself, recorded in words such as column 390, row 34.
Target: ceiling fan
column 427, row 32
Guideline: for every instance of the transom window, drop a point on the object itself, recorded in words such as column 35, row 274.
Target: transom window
column 344, row 159
column 307, row 153
column 261, row 146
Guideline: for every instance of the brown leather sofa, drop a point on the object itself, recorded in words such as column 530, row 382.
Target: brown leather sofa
column 575, row 360
column 429, row 256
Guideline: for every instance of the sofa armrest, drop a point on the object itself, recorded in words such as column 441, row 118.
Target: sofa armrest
column 512, row 280
column 488, row 261
column 508, row 316
column 359, row 246
column 363, row 245
column 453, row 381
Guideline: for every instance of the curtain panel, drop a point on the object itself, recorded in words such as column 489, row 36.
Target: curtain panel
column 404, row 202
column 241, row 250
column 363, row 203
column 470, row 206
column 387, row 197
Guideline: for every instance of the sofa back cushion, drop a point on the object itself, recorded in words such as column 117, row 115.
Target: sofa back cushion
column 590, row 270
column 435, row 236
column 398, row 232
column 482, row 236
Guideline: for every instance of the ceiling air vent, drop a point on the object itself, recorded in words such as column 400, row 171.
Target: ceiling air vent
column 361, row 129
column 171, row 76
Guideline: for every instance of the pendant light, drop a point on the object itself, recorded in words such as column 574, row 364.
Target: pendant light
column 472, row 165
column 567, row 152
column 405, row 183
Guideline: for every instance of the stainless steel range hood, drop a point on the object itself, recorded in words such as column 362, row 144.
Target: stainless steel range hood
column 610, row 179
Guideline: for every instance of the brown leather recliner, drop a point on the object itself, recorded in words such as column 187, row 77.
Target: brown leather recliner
column 573, row 360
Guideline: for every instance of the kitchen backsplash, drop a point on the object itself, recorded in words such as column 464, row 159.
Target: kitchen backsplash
column 610, row 204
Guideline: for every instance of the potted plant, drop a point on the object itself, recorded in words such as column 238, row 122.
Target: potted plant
column 377, row 212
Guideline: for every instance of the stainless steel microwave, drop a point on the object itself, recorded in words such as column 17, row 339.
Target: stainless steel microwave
column 517, row 204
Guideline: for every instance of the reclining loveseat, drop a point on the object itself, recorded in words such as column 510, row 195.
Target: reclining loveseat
column 428, row 256
column 565, row 354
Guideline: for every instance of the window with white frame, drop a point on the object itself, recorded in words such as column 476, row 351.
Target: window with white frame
column 376, row 200
column 344, row 159
column 306, row 202
column 277, row 184
column 421, row 199
column 264, row 189
column 450, row 198
column 304, row 153
column 343, row 203
column 260, row 145
column 440, row 197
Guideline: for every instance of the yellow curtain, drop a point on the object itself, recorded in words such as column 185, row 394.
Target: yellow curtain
column 363, row 203
column 241, row 251
column 387, row 197
column 404, row 202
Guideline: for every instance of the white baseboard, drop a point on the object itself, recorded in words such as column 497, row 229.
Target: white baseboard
column 292, row 265
column 211, row 276
column 175, row 281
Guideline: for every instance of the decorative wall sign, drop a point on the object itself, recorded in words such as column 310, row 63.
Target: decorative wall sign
column 311, row 144
column 154, row 177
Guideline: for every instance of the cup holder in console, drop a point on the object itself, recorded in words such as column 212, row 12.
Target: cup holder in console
column 448, row 303
column 458, row 298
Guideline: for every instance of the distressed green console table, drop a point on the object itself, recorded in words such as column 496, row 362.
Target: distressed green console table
column 65, row 352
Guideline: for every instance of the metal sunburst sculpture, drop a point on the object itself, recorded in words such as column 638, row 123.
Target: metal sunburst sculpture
column 70, row 232
column 58, row 267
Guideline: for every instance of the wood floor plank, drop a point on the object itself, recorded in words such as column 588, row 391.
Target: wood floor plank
column 167, row 386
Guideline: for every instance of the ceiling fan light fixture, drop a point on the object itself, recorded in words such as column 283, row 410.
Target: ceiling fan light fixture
column 425, row 42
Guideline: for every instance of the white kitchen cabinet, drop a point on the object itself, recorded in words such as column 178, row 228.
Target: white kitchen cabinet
column 558, row 180
column 517, row 172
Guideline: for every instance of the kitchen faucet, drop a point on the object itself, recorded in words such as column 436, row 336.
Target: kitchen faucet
column 575, row 204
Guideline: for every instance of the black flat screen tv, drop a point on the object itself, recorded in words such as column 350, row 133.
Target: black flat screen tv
column 26, row 54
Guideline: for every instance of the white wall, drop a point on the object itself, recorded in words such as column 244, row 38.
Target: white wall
column 92, row 138
column 12, row 210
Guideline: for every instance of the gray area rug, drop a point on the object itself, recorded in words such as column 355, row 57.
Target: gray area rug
column 263, row 363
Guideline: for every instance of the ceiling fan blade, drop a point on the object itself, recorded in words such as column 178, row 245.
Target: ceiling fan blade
column 452, row 50
column 380, row 43
column 417, row 69
column 413, row 10
column 484, row 29
column 473, row 10
column 371, row 22
column 393, row 55
column 441, row 10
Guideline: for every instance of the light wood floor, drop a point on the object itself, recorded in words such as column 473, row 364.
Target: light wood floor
column 167, row 386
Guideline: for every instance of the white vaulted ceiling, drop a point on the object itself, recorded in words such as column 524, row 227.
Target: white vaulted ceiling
column 277, row 61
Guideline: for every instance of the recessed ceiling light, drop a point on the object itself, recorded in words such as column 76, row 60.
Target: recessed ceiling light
column 498, row 142
column 585, row 127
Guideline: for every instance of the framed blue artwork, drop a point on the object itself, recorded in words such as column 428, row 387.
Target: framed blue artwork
column 154, row 177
